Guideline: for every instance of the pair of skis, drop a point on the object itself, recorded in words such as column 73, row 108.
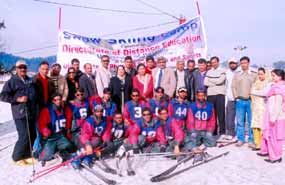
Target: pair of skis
column 169, row 172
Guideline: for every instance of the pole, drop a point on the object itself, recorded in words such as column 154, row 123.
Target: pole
column 198, row 7
column 59, row 18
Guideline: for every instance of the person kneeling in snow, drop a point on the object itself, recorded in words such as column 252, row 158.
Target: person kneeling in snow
column 80, row 110
column 95, row 133
column 200, row 123
column 54, row 124
column 173, row 131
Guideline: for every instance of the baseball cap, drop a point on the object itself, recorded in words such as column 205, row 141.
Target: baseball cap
column 232, row 60
column 98, row 108
column 182, row 89
column 20, row 63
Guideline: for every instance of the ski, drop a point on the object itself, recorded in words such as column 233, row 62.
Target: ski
column 221, row 145
column 6, row 147
column 79, row 172
column 164, row 177
column 130, row 170
column 105, row 167
column 98, row 175
column 171, row 169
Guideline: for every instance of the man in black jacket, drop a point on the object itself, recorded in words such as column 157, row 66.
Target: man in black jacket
column 20, row 93
column 76, row 64
column 190, row 81
column 87, row 82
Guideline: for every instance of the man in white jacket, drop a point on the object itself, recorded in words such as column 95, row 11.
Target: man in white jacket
column 103, row 75
column 230, row 105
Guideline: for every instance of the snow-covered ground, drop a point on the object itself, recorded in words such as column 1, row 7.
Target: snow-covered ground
column 240, row 167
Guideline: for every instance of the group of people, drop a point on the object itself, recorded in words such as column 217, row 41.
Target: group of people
column 148, row 106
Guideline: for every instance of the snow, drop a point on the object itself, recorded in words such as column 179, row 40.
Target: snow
column 240, row 167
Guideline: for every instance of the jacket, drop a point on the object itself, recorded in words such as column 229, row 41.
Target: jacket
column 168, row 81
column 15, row 87
column 190, row 85
column 117, row 86
column 40, row 92
column 201, row 117
column 59, row 85
column 199, row 80
column 148, row 93
column 172, row 130
column 242, row 83
column 89, row 85
column 103, row 77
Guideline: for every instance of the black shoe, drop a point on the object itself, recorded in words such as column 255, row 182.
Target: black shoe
column 255, row 149
column 131, row 173
column 275, row 161
column 261, row 154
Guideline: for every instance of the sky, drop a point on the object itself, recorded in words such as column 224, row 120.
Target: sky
column 257, row 24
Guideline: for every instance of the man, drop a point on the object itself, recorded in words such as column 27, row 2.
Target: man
column 58, row 81
column 200, row 74
column 129, row 66
column 54, row 125
column 109, row 107
column 118, row 131
column 200, row 123
column 133, row 108
column 150, row 64
column 209, row 65
column 87, row 81
column 180, row 75
column 215, row 81
column 159, row 101
column 146, row 131
column 95, row 132
column 190, row 83
column 80, row 111
column 164, row 77
column 76, row 64
column 42, row 86
column 103, row 75
column 173, row 131
column 241, row 87
column 230, row 105
column 177, row 107
column 20, row 93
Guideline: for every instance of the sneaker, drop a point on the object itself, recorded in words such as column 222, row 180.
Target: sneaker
column 228, row 137
column 21, row 163
column 251, row 145
column 31, row 160
column 239, row 144
column 87, row 161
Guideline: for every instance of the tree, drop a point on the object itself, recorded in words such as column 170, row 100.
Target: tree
column 279, row 64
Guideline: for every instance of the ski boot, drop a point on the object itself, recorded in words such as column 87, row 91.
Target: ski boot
column 87, row 161
column 75, row 163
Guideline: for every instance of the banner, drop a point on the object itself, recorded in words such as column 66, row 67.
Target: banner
column 182, row 43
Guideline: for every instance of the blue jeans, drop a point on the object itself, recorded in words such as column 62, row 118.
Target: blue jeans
column 243, row 109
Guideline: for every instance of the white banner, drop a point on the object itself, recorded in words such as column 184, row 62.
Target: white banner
column 182, row 43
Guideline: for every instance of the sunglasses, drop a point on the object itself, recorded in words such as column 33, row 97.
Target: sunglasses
column 22, row 67
column 135, row 95
column 57, row 99
column 99, row 111
column 105, row 61
column 146, row 114
column 79, row 94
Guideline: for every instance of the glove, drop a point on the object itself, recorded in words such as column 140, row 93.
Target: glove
column 89, row 149
column 46, row 132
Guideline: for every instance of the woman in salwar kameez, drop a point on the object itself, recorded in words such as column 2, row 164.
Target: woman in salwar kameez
column 273, row 130
column 258, row 98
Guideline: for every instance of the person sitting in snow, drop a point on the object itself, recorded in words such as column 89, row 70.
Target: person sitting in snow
column 200, row 123
column 81, row 110
column 95, row 133
column 173, row 131
column 144, row 133
column 54, row 125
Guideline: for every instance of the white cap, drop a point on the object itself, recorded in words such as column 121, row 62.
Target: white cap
column 232, row 60
column 21, row 63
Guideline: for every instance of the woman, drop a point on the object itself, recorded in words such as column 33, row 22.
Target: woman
column 120, row 84
column 273, row 130
column 143, row 82
column 258, row 95
column 71, row 83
